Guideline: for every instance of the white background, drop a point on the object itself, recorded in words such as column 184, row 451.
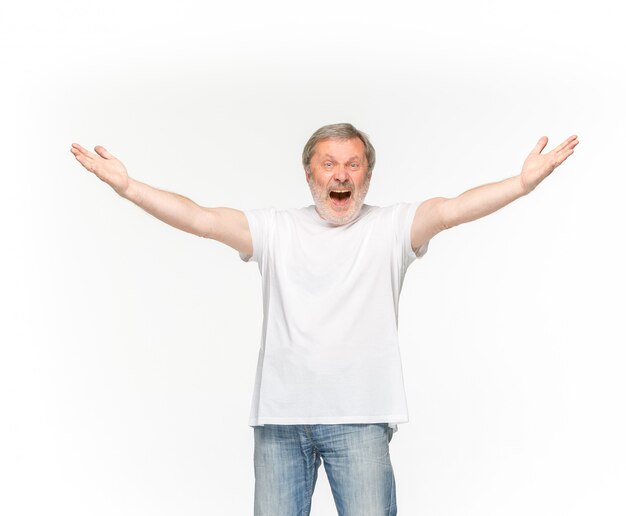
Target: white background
column 128, row 348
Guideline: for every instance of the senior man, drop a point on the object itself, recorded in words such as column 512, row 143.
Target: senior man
column 329, row 382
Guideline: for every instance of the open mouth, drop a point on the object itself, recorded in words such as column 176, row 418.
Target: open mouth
column 340, row 196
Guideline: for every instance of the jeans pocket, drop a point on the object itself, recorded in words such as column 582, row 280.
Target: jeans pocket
column 388, row 430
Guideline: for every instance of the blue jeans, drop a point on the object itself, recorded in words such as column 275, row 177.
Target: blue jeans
column 356, row 461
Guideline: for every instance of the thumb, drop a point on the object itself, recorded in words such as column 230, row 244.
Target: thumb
column 103, row 152
column 541, row 144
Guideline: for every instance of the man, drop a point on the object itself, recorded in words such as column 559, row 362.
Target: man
column 329, row 379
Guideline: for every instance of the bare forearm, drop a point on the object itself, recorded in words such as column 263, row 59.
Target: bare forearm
column 482, row 200
column 174, row 209
column 439, row 213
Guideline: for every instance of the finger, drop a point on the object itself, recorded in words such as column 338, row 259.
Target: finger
column 563, row 155
column 84, row 151
column 541, row 144
column 78, row 148
column 566, row 149
column 77, row 152
column 567, row 143
column 103, row 152
column 83, row 158
column 80, row 156
column 85, row 161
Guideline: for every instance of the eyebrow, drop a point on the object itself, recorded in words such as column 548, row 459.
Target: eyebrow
column 332, row 157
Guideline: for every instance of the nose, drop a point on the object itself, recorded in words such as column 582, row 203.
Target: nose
column 341, row 174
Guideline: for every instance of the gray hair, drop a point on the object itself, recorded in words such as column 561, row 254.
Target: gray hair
column 338, row 132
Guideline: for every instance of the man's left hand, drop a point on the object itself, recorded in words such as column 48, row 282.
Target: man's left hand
column 539, row 166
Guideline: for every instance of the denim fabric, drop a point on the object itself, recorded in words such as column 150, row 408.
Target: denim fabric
column 356, row 461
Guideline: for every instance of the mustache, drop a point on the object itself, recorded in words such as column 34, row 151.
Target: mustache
column 346, row 185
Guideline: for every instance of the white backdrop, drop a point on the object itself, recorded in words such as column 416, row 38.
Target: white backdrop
column 128, row 348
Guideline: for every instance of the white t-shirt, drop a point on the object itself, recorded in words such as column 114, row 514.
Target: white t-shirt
column 329, row 346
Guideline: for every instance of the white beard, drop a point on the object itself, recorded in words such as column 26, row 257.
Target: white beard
column 321, row 197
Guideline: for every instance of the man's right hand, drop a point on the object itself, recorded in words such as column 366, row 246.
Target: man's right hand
column 226, row 225
column 104, row 165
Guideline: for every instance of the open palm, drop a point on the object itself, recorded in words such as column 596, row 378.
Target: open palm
column 104, row 165
column 539, row 166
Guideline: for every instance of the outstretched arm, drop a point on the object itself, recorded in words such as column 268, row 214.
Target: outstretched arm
column 226, row 225
column 439, row 213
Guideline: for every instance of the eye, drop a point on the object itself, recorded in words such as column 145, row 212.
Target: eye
column 354, row 165
column 328, row 165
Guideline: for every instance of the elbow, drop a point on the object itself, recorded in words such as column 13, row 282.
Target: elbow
column 445, row 216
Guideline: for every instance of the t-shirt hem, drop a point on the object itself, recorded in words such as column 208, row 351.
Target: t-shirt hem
column 393, row 419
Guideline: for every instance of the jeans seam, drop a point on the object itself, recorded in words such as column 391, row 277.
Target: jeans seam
column 307, row 507
column 391, row 496
column 310, row 488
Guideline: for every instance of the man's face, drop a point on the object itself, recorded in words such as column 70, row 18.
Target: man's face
column 338, row 179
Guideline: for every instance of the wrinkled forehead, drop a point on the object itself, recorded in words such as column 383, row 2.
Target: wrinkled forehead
column 340, row 149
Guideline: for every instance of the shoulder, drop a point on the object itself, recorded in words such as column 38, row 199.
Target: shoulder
column 396, row 211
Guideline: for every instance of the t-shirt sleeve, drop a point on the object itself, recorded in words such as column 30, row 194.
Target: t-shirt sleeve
column 259, row 223
column 409, row 210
